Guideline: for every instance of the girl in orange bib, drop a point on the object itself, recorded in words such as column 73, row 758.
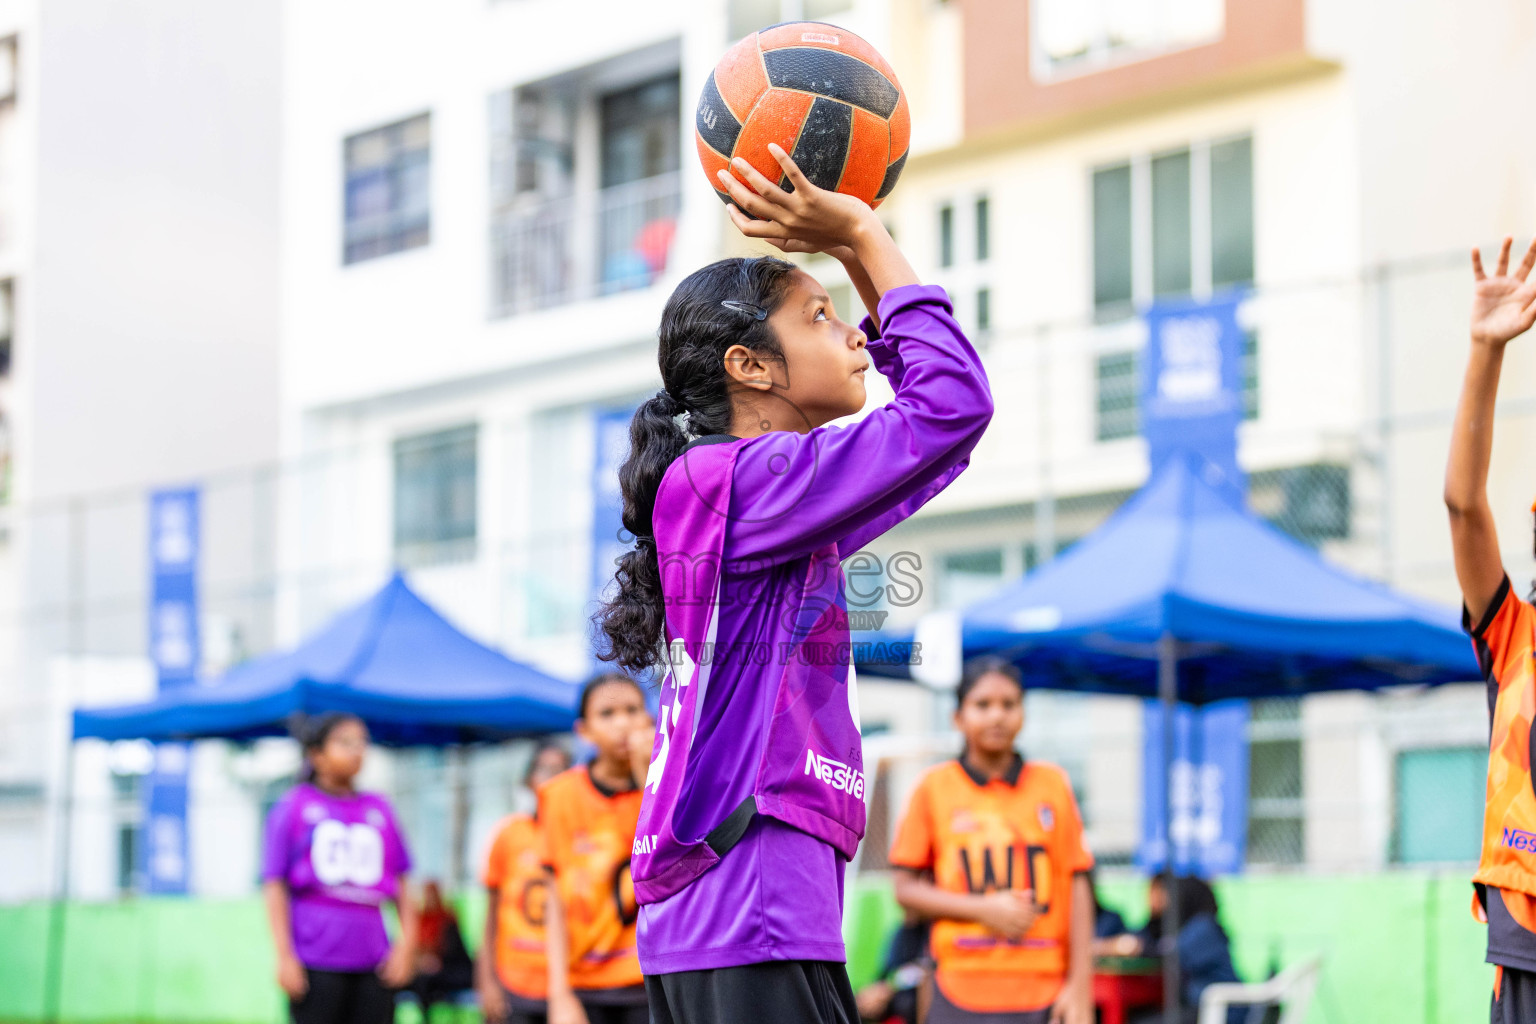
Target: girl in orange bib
column 991, row 849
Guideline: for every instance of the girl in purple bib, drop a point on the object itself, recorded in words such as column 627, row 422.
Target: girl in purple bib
column 744, row 503
column 333, row 858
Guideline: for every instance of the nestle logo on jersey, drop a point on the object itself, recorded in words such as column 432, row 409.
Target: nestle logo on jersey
column 1519, row 839
column 839, row 776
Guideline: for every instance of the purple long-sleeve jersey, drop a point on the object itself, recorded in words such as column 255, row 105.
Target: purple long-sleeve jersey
column 755, row 797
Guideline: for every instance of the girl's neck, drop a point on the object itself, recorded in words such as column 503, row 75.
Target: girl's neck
column 991, row 763
column 614, row 775
column 332, row 786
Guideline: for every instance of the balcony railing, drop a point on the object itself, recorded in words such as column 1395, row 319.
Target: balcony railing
column 557, row 251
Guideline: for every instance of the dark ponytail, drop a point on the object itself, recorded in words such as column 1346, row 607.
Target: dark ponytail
column 312, row 731
column 696, row 330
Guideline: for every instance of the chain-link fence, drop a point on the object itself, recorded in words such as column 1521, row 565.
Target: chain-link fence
column 1350, row 380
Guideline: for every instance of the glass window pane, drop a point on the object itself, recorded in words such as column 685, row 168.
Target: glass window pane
column 946, row 236
column 983, row 229
column 1250, row 375
column 1170, row 224
column 1232, row 213
column 1116, row 380
column 1112, row 240
column 1440, row 804
column 386, row 192
column 436, row 494
column 816, row 10
column 969, row 576
column 640, row 131
column 747, row 16
column 983, row 309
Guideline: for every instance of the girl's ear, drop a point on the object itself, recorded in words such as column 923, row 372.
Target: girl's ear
column 747, row 368
column 582, row 731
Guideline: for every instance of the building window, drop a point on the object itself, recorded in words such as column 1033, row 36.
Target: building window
column 7, row 324
column 8, row 70
column 1076, row 36
column 1311, row 503
column 1276, row 810
column 1231, row 213
column 983, row 229
column 1112, row 285
column 1116, row 381
column 1439, row 805
column 552, row 242
column 983, row 309
column 387, row 202
column 946, row 235
column 436, row 495
column 1156, row 247
column 969, row 576
column 640, row 148
column 747, row 16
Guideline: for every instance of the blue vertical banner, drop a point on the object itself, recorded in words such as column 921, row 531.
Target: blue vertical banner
column 1210, row 789
column 175, row 648
column 611, row 440
column 1191, row 405
column 1192, row 387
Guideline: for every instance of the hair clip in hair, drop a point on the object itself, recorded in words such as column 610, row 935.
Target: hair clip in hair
column 755, row 312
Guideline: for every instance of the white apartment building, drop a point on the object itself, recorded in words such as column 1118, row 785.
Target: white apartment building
column 486, row 203
column 138, row 349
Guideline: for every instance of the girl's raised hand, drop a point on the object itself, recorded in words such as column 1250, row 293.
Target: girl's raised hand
column 808, row 219
column 1504, row 305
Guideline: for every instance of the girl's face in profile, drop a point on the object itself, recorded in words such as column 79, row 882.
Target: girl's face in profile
column 822, row 375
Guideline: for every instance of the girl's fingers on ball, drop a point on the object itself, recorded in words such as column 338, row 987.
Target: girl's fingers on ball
column 791, row 169
column 765, row 188
column 745, row 198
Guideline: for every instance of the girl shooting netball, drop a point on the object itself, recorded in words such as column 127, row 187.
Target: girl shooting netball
column 743, row 501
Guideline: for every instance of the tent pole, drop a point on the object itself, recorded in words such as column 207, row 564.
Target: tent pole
column 53, row 962
column 1168, row 694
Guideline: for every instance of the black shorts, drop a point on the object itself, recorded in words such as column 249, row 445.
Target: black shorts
column 343, row 997
column 1514, row 996
column 942, row 1011
column 776, row 992
column 627, row 1005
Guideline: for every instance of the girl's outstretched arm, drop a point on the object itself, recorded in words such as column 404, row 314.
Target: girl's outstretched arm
column 1503, row 308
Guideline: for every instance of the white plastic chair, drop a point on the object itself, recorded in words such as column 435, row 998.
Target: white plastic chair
column 1292, row 988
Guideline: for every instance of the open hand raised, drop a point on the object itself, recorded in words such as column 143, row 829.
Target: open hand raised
column 1504, row 305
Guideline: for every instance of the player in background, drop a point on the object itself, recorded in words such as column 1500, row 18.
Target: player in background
column 333, row 857
column 1502, row 627
column 743, row 501
column 512, row 970
column 991, row 849
column 587, row 817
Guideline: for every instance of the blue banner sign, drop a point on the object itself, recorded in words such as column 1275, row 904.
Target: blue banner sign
column 175, row 648
column 1210, row 789
column 1192, row 386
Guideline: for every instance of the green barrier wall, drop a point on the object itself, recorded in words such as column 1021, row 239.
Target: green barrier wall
column 1398, row 947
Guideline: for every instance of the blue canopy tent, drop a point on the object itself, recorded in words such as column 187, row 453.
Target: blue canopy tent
column 1183, row 577
column 393, row 661
column 1186, row 596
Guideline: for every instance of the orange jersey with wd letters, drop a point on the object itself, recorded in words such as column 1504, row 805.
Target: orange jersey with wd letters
column 515, row 870
column 1021, row 831
column 589, row 834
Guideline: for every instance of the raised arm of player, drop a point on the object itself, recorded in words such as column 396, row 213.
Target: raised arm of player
column 1503, row 308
